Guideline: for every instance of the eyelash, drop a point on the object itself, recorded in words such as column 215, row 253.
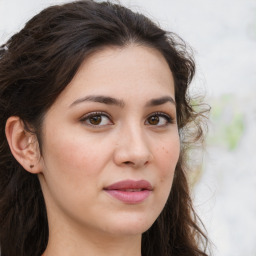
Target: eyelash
column 86, row 118
column 168, row 118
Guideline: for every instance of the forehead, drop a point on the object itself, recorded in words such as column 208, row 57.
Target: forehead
column 125, row 72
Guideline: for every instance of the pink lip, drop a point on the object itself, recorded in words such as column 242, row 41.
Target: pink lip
column 120, row 191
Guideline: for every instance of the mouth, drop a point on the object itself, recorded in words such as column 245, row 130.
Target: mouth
column 130, row 191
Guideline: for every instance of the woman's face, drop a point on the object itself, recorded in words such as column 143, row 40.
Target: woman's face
column 111, row 144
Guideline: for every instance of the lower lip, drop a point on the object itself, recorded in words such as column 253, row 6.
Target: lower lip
column 128, row 196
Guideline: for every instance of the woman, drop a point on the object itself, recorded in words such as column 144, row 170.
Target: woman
column 94, row 110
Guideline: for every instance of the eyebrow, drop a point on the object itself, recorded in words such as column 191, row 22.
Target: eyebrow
column 112, row 101
column 101, row 99
column 160, row 101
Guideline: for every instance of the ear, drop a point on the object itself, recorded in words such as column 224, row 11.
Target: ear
column 24, row 145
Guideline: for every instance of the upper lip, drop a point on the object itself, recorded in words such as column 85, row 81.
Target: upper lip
column 130, row 184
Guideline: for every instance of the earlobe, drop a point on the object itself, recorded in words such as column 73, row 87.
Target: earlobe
column 23, row 145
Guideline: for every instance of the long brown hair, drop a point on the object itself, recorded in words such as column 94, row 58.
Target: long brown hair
column 36, row 65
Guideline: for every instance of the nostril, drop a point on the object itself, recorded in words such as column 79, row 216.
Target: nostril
column 128, row 162
column 132, row 163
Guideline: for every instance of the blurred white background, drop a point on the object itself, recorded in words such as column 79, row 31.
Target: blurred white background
column 223, row 36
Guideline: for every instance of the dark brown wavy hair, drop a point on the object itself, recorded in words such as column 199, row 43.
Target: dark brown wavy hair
column 36, row 65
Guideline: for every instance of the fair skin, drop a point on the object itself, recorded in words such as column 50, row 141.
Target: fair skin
column 115, row 121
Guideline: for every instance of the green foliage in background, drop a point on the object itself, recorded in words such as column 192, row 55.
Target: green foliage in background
column 227, row 123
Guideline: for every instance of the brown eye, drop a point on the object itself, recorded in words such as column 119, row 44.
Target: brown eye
column 95, row 120
column 153, row 120
column 158, row 119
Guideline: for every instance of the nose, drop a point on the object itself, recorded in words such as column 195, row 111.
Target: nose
column 132, row 148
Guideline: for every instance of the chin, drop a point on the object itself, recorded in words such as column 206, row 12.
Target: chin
column 131, row 225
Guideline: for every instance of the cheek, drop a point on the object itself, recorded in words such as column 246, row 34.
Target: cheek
column 168, row 154
column 167, row 158
column 76, row 152
column 72, row 170
column 72, row 163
